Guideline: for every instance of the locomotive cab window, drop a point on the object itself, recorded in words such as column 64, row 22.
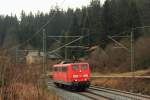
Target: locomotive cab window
column 64, row 69
column 75, row 67
column 59, row 69
column 55, row 69
column 84, row 67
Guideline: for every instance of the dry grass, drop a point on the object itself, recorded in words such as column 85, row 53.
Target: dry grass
column 136, row 73
column 20, row 91
column 126, row 84
column 20, row 81
column 110, row 59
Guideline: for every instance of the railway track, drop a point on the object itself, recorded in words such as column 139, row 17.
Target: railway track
column 117, row 94
column 101, row 93
column 63, row 94
column 89, row 95
column 94, row 96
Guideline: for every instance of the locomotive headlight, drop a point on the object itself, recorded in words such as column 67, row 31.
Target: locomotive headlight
column 75, row 76
column 85, row 75
column 85, row 79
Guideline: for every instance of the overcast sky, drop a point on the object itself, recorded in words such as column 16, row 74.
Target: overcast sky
column 16, row 6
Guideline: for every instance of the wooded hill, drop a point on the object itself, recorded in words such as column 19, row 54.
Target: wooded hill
column 114, row 17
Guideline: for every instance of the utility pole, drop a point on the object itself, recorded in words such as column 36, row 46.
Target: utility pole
column 44, row 51
column 66, row 39
column 86, row 31
column 130, row 50
column 132, row 58
column 88, row 45
column 16, row 60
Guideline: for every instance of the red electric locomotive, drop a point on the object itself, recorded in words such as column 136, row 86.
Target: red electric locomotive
column 73, row 75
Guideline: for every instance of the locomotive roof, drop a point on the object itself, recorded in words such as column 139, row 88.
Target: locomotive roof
column 69, row 64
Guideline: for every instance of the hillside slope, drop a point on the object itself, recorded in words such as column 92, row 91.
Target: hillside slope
column 118, row 59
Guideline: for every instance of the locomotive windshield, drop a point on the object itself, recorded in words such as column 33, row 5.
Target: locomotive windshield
column 84, row 67
column 75, row 67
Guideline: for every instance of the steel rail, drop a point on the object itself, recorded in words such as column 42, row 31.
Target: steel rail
column 120, row 93
column 140, row 95
column 109, row 94
column 94, row 96
column 87, row 94
column 140, row 77
column 113, row 95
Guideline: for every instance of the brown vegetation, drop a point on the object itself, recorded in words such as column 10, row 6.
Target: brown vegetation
column 116, row 62
column 21, row 82
column 111, row 59
column 126, row 84
column 20, row 91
